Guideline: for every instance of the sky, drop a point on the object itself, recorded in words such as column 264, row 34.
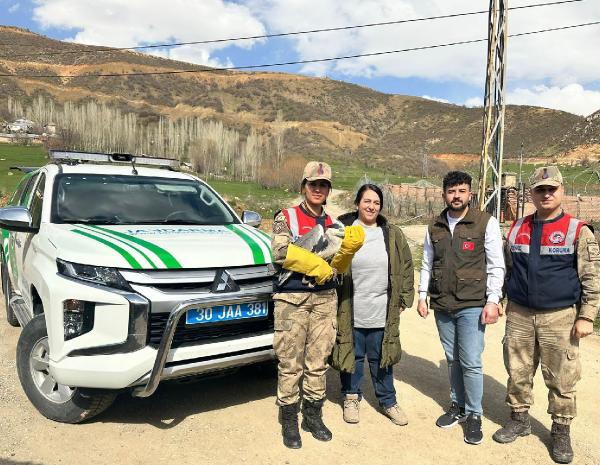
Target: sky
column 559, row 70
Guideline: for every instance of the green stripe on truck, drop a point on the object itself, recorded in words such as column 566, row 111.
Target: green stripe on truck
column 260, row 237
column 126, row 255
column 141, row 252
column 257, row 253
column 166, row 257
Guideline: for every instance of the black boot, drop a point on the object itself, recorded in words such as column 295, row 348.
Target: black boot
column 312, row 420
column 518, row 425
column 562, row 452
column 289, row 426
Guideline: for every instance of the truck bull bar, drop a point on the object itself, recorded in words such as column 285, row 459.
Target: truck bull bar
column 167, row 338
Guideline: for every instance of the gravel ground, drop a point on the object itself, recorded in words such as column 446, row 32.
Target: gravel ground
column 233, row 419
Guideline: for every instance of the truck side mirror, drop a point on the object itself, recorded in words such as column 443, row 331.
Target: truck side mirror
column 251, row 218
column 16, row 219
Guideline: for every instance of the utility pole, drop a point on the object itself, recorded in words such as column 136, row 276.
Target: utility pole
column 521, row 194
column 489, row 194
column 520, row 162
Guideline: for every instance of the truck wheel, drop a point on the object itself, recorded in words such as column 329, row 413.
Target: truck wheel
column 53, row 400
column 7, row 289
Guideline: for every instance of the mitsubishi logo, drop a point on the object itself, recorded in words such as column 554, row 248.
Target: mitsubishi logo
column 224, row 282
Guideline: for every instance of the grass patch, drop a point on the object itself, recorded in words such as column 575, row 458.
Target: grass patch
column 242, row 195
column 577, row 179
column 252, row 196
column 347, row 175
column 17, row 155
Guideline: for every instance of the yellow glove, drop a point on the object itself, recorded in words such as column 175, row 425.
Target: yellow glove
column 307, row 263
column 354, row 236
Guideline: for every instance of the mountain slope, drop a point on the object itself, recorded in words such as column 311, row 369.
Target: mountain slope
column 584, row 132
column 324, row 117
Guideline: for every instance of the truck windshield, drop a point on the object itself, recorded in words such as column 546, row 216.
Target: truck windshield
column 113, row 199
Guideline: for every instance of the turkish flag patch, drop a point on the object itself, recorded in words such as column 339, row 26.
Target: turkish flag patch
column 468, row 245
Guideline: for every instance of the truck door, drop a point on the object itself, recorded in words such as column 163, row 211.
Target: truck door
column 24, row 249
column 16, row 240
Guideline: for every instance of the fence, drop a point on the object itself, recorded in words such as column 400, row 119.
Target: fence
column 406, row 201
column 586, row 207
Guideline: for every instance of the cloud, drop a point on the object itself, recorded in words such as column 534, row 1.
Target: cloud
column 555, row 60
column 14, row 7
column 573, row 98
column 436, row 99
column 144, row 22
column 557, row 57
column 191, row 54
column 474, row 102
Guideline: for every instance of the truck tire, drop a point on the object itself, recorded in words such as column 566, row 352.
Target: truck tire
column 7, row 290
column 55, row 401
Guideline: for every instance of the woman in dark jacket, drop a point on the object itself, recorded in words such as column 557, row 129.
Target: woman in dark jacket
column 371, row 296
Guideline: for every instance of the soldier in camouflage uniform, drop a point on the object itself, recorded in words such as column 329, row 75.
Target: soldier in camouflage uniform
column 553, row 290
column 305, row 310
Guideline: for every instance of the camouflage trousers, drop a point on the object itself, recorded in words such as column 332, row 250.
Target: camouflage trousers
column 305, row 328
column 543, row 338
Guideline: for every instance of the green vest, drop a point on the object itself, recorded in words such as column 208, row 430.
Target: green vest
column 458, row 273
column 400, row 295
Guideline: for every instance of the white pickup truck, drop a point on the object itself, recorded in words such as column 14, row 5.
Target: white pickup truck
column 124, row 275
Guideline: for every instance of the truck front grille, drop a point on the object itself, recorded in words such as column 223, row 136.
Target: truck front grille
column 185, row 334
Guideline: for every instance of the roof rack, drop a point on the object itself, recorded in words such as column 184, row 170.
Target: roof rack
column 73, row 158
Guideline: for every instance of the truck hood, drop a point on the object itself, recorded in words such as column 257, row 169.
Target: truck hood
column 161, row 247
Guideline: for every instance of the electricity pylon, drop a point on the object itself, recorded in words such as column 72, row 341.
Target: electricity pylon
column 489, row 192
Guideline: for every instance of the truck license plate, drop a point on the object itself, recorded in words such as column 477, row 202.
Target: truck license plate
column 220, row 313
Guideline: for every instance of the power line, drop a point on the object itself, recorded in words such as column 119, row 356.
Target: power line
column 299, row 62
column 270, row 36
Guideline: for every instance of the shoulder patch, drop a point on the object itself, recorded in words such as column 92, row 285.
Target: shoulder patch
column 593, row 251
column 280, row 224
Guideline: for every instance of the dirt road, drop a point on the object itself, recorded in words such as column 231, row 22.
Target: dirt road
column 233, row 419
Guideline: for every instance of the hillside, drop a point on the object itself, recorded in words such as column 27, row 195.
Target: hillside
column 324, row 118
column 586, row 132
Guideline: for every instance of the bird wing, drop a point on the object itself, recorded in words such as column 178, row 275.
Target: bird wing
column 314, row 241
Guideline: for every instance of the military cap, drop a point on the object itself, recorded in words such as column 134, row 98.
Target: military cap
column 316, row 170
column 546, row 176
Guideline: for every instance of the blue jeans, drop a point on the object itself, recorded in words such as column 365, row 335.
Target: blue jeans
column 368, row 342
column 462, row 337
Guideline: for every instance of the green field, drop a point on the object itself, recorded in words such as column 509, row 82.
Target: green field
column 17, row 155
column 251, row 196
column 346, row 175
column 577, row 179
column 242, row 195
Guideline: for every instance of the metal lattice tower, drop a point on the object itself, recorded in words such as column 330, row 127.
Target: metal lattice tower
column 489, row 192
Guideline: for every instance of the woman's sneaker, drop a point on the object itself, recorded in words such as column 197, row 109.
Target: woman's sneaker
column 351, row 408
column 397, row 415
column 473, row 434
column 454, row 415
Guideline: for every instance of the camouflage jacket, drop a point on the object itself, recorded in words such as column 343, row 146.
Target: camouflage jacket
column 588, row 269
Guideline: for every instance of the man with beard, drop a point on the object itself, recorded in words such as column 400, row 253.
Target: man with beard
column 462, row 272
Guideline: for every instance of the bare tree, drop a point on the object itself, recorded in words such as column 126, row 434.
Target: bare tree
column 211, row 148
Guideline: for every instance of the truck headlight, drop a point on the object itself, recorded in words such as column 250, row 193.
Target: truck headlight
column 101, row 275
